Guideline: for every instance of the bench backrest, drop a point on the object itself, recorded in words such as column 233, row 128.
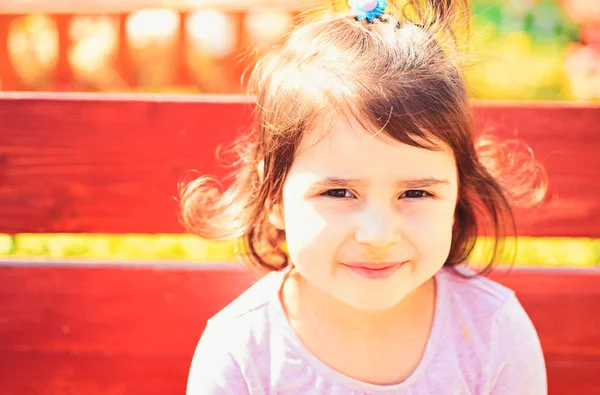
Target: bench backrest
column 110, row 164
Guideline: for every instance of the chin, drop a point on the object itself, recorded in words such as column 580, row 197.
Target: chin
column 374, row 304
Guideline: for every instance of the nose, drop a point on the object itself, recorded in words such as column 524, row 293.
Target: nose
column 377, row 229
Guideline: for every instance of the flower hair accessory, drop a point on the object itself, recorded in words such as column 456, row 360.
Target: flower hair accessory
column 367, row 9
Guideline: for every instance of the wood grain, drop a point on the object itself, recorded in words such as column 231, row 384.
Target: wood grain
column 122, row 330
column 111, row 163
column 102, row 165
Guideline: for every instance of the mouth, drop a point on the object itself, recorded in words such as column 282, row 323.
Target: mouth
column 374, row 271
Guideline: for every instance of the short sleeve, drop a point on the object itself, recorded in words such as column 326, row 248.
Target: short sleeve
column 517, row 358
column 214, row 370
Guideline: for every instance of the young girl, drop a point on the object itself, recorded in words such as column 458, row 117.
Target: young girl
column 362, row 190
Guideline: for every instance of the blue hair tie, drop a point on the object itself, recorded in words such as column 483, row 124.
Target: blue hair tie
column 367, row 9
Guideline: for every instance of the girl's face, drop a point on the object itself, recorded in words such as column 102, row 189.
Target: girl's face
column 367, row 219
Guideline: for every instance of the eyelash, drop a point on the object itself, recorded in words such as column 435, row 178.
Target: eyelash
column 424, row 195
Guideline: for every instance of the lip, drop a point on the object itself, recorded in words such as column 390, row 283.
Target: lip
column 374, row 271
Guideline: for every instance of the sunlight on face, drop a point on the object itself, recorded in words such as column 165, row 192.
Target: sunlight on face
column 354, row 203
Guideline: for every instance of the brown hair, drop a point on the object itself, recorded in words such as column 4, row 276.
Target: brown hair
column 392, row 74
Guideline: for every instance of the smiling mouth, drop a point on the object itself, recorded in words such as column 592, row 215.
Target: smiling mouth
column 374, row 271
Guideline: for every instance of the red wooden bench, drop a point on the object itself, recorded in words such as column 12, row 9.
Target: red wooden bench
column 91, row 163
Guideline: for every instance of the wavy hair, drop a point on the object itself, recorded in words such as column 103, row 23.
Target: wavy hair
column 400, row 73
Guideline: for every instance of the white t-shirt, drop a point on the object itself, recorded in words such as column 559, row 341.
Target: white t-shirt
column 481, row 342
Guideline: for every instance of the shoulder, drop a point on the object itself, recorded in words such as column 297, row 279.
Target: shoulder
column 232, row 339
column 247, row 318
column 493, row 325
column 252, row 302
column 463, row 283
column 483, row 298
column 486, row 303
column 472, row 303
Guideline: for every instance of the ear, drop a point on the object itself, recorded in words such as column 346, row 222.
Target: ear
column 276, row 217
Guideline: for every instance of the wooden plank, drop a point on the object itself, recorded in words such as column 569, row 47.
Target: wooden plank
column 97, row 373
column 85, row 163
column 64, row 295
column 131, row 330
column 64, row 76
column 182, row 73
column 563, row 137
column 100, row 330
column 123, row 61
column 563, row 305
column 9, row 79
column 566, row 377
column 50, row 308
column 110, row 163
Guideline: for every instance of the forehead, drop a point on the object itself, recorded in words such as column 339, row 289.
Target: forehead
column 348, row 149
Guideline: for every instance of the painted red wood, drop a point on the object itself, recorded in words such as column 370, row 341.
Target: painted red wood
column 92, row 164
column 132, row 330
column 106, row 330
column 110, row 163
column 564, row 138
column 64, row 78
column 9, row 80
column 571, row 295
column 123, row 61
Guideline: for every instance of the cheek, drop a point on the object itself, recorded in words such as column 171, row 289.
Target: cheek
column 312, row 234
column 304, row 227
column 431, row 227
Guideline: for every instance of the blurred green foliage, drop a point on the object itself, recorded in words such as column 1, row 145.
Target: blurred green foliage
column 519, row 54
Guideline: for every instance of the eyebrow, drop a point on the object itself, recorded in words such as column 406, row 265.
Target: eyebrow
column 336, row 182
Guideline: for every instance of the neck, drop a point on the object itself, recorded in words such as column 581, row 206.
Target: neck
column 306, row 303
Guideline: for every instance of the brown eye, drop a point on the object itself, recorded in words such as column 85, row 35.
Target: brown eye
column 338, row 193
column 416, row 194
